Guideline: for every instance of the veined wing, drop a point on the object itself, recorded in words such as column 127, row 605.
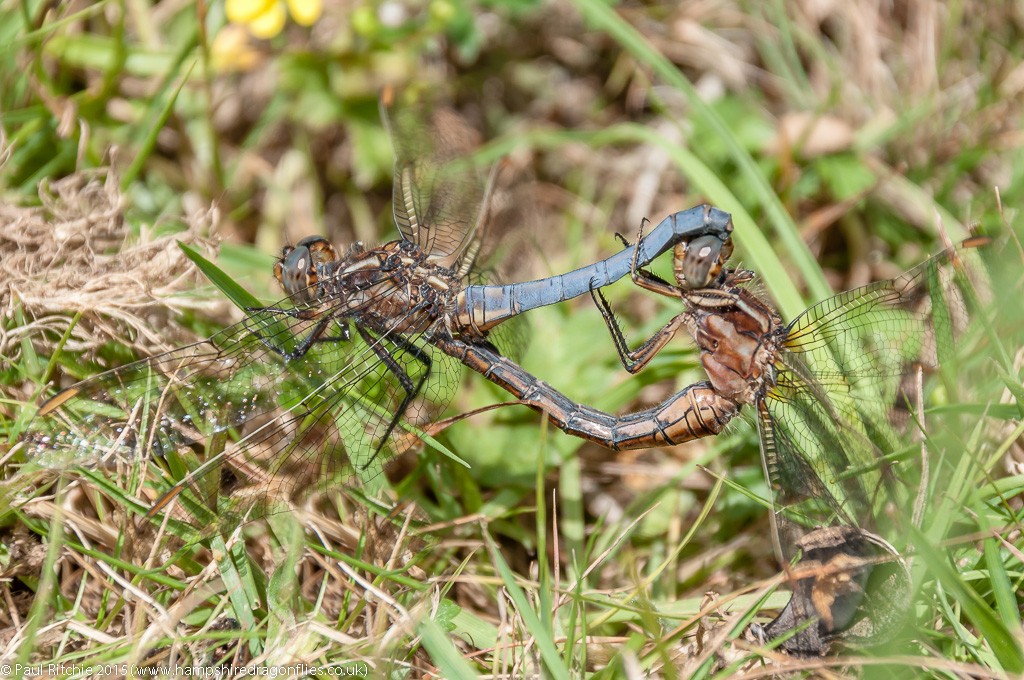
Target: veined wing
column 878, row 329
column 838, row 492
column 832, row 438
column 440, row 194
column 826, row 465
column 301, row 420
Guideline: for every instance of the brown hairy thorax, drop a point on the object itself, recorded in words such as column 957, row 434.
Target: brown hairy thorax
column 737, row 334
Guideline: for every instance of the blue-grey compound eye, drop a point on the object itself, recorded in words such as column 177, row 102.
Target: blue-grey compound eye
column 299, row 267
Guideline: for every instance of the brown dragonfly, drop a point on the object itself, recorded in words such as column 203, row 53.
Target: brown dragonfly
column 826, row 390
column 303, row 395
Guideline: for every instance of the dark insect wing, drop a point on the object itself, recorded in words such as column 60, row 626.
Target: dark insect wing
column 837, row 492
column 835, row 426
column 302, row 422
column 297, row 397
column 440, row 193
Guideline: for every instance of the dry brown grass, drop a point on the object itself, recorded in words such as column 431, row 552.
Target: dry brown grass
column 74, row 254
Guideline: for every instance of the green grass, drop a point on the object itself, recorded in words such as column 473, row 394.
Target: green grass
column 544, row 556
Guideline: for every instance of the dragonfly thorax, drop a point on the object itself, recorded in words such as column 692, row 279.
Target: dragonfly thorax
column 394, row 286
column 738, row 337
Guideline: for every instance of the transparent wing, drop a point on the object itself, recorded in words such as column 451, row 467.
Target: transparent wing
column 824, row 465
column 835, row 429
column 440, row 193
column 876, row 330
column 281, row 421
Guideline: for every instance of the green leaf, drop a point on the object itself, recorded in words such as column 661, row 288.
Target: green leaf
column 1005, row 645
column 448, row 659
column 446, row 613
column 846, row 175
column 234, row 292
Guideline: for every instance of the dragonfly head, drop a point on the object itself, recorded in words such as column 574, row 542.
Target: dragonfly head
column 299, row 267
column 700, row 262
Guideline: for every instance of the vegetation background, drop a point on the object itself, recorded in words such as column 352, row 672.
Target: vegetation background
column 841, row 136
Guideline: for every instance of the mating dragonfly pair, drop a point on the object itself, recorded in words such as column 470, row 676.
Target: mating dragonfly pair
column 305, row 394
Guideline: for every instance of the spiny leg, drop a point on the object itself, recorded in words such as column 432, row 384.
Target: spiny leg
column 644, row 278
column 634, row 360
column 637, row 273
column 411, row 389
column 315, row 335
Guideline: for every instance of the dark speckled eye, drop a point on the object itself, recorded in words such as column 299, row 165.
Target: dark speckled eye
column 699, row 262
column 299, row 266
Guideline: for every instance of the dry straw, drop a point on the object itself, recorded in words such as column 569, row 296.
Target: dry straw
column 75, row 253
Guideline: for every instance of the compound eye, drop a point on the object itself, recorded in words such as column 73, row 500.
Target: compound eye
column 310, row 241
column 701, row 261
column 295, row 271
column 299, row 266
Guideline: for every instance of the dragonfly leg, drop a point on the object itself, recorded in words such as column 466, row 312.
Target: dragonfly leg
column 316, row 335
column 655, row 284
column 634, row 360
column 639, row 273
column 645, row 278
column 411, row 389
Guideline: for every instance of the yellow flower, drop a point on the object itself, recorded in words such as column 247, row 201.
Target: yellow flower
column 265, row 18
column 305, row 12
column 232, row 51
